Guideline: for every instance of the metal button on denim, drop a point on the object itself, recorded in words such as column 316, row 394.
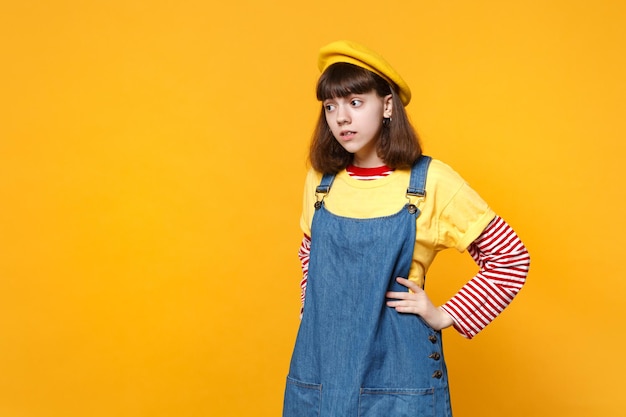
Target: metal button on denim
column 437, row 374
column 435, row 355
column 432, row 338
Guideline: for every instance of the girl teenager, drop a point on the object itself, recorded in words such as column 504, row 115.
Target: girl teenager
column 376, row 212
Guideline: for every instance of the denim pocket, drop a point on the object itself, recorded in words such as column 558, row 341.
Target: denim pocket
column 302, row 399
column 399, row 402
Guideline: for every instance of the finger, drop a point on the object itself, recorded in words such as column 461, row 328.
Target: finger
column 403, row 308
column 398, row 295
column 398, row 304
column 408, row 283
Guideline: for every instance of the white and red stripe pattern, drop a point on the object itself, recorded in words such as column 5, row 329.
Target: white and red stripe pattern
column 504, row 262
column 303, row 254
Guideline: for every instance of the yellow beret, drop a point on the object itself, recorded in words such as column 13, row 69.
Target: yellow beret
column 359, row 55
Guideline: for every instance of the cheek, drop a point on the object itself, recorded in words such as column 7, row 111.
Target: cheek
column 332, row 126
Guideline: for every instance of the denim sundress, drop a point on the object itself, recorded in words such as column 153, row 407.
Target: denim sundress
column 354, row 356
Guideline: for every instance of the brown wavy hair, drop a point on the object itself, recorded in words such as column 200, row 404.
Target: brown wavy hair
column 398, row 145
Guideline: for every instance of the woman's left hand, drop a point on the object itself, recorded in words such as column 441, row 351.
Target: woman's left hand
column 417, row 302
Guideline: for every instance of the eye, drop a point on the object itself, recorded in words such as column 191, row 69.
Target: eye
column 355, row 102
column 329, row 107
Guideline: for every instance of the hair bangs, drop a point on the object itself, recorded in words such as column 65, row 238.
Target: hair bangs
column 343, row 79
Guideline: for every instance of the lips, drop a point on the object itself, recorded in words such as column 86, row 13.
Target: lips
column 347, row 134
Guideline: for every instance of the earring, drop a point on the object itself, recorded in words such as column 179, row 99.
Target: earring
column 386, row 121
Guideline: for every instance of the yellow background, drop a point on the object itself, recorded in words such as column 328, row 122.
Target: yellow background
column 152, row 155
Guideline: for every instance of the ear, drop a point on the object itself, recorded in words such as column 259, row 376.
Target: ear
column 387, row 106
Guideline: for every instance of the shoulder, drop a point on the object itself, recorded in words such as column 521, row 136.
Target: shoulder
column 442, row 177
column 313, row 176
column 311, row 181
column 451, row 194
column 439, row 168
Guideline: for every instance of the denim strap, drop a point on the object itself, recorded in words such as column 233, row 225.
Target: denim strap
column 417, row 184
column 324, row 187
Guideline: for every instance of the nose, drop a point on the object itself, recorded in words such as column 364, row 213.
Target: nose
column 343, row 115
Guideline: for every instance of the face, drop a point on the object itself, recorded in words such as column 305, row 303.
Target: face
column 356, row 123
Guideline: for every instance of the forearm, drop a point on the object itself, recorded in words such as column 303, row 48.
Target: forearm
column 504, row 263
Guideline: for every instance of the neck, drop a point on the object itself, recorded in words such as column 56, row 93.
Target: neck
column 370, row 162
